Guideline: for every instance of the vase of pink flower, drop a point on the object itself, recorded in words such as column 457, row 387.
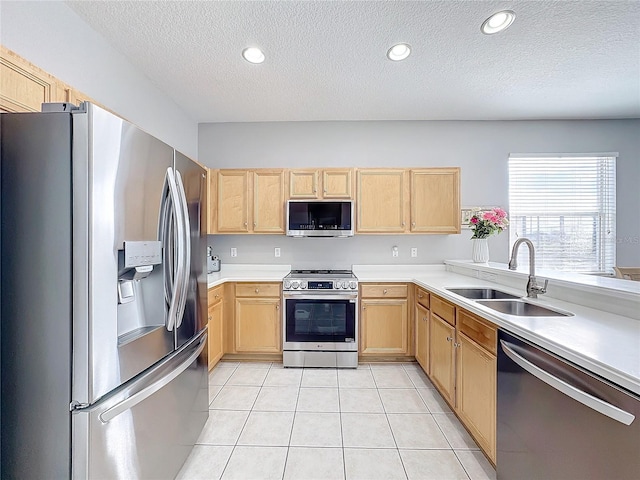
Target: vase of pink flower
column 484, row 224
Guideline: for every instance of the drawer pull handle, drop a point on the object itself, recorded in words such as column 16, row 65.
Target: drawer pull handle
column 257, row 290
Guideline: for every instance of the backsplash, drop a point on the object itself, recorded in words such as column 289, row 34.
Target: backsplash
column 344, row 252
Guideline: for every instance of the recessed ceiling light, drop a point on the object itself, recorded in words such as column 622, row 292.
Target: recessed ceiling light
column 399, row 52
column 498, row 22
column 253, row 55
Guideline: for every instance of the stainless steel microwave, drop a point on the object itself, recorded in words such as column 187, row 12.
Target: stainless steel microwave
column 319, row 218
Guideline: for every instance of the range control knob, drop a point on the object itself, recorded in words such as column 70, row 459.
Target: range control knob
column 303, row 285
column 287, row 284
column 353, row 284
column 345, row 285
column 336, row 285
column 295, row 284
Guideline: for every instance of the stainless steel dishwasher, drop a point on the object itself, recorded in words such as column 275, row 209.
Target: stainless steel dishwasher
column 558, row 421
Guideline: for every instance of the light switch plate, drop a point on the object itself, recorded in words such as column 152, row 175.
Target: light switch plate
column 276, row 251
column 234, row 252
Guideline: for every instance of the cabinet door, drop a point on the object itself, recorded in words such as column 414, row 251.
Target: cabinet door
column 304, row 184
column 384, row 326
column 233, row 204
column 258, row 325
column 381, row 200
column 23, row 86
column 442, row 361
column 215, row 333
column 435, row 200
column 212, row 211
column 476, row 392
column 337, row 183
column 268, row 201
column 422, row 336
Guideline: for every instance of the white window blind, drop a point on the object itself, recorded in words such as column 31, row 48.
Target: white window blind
column 566, row 205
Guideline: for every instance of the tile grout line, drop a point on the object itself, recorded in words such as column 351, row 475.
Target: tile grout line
column 344, row 460
column 293, row 422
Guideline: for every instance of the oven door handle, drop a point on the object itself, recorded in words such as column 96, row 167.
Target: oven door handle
column 319, row 296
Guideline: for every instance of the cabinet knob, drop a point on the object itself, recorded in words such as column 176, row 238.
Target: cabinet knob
column 413, row 224
column 449, row 339
column 257, row 290
column 403, row 224
column 278, row 306
column 254, row 224
column 209, row 317
column 384, row 292
column 325, row 190
column 217, row 296
column 424, row 318
column 245, row 224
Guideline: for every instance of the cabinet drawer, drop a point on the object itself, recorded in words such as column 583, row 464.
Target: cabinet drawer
column 393, row 290
column 257, row 289
column 215, row 294
column 477, row 330
column 443, row 309
column 422, row 297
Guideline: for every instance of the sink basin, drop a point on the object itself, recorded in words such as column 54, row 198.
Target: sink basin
column 521, row 308
column 481, row 293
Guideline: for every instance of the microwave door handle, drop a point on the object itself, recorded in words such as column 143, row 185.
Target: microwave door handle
column 578, row 395
column 186, row 247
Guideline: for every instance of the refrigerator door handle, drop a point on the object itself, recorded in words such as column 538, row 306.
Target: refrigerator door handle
column 146, row 392
column 172, row 231
column 578, row 395
column 186, row 247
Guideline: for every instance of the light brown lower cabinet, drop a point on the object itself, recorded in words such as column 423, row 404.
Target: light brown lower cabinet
column 215, row 325
column 384, row 320
column 422, row 336
column 258, row 318
column 463, row 367
column 476, row 392
column 442, row 338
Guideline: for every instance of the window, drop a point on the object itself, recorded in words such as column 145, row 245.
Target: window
column 566, row 205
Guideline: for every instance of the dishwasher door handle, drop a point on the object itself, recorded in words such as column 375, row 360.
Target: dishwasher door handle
column 578, row 395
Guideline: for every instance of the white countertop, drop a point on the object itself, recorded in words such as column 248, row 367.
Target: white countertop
column 248, row 273
column 604, row 343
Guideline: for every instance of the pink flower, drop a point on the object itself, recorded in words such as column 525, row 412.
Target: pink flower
column 474, row 220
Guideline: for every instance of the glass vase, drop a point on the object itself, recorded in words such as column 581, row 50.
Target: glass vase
column 480, row 250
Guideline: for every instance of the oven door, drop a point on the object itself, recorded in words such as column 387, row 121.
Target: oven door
column 320, row 321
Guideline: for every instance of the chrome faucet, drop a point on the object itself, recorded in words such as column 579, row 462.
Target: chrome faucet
column 533, row 289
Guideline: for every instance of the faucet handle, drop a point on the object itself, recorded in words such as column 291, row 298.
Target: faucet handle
column 538, row 288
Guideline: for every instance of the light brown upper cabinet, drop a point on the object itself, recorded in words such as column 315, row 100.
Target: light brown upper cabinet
column 25, row 87
column 321, row 183
column 248, row 201
column 382, row 200
column 435, row 200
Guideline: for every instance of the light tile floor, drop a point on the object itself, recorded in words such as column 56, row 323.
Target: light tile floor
column 380, row 421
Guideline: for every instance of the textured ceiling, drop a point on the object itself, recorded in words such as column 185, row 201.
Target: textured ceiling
column 325, row 60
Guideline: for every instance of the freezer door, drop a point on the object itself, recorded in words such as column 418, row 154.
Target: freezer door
column 147, row 428
column 119, row 326
column 193, row 178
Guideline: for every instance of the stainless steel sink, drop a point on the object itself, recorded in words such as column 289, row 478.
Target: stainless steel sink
column 521, row 308
column 481, row 293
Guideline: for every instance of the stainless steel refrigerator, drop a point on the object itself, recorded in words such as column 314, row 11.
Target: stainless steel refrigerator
column 103, row 298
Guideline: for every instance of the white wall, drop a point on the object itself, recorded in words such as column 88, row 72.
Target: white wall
column 51, row 36
column 481, row 149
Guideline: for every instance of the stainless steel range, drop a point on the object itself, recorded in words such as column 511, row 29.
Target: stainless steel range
column 320, row 319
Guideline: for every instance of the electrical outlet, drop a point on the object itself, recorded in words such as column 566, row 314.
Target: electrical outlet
column 234, row 252
column 276, row 252
column 414, row 252
column 394, row 251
